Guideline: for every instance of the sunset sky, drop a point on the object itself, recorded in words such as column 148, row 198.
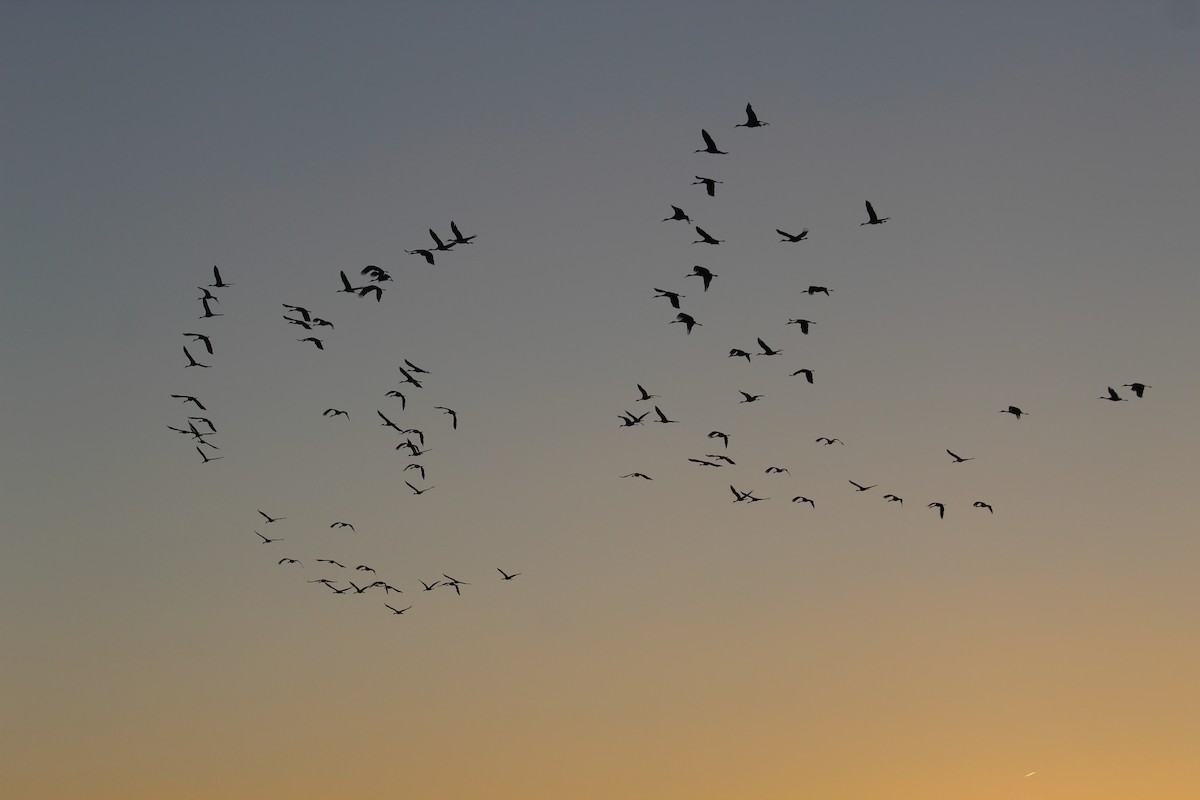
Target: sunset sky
column 1040, row 167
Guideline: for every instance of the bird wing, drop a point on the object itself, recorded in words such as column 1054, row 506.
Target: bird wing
column 871, row 212
column 708, row 140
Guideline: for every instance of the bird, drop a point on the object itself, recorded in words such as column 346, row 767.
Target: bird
column 959, row 459
column 807, row 373
column 739, row 353
column 207, row 295
column 206, row 457
column 387, row 422
column 220, row 284
column 981, row 504
column 724, row 437
column 458, row 237
column 709, row 185
column 212, row 428
column 303, row 312
column 1112, row 395
column 507, row 577
column 1138, row 388
column 417, row 491
column 408, row 378
column 403, row 399
column 941, row 509
column 629, row 420
column 376, row 273
column 193, row 362
column 364, row 568
column 322, row 323
column 455, row 582
column 767, row 351
column 891, row 498
column 788, row 237
column 208, row 312
column 678, row 215
column 453, row 415
column 752, row 120
column 187, row 398
column 397, row 611
column 874, row 220
column 644, row 394
column 687, row 319
column 363, row 291
column 703, row 463
column 672, row 296
column 777, row 470
column 290, row 561
column 341, row 525
column 270, row 519
column 438, row 242
column 346, row 287
column 803, row 323
column 428, row 256
column 719, row 457
column 802, row 499
column 1016, row 412
column 414, row 368
column 302, row 323
column 331, row 562
column 702, row 272
column 428, row 586
column 641, row 475
column 705, row 238
column 817, row 290
column 663, row 417
column 314, row 340
column 859, row 487
column 200, row 337
column 749, row 398
column 709, row 145
column 418, row 467
column 333, row 412
column 325, row 581
column 828, row 441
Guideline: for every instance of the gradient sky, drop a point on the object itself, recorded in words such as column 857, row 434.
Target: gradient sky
column 1039, row 165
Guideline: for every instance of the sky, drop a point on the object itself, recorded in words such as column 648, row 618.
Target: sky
column 1038, row 165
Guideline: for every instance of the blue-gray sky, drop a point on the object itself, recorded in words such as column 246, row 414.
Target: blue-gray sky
column 1038, row 163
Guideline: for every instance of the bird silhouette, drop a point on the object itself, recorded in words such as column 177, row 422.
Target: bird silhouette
column 629, row 420
column 403, row 399
column 705, row 238
column 644, row 394
column 687, row 319
column 300, row 322
column 290, row 561
column 672, row 296
column 817, row 290
column 206, row 457
column 1112, row 395
column 212, row 428
column 388, row 423
column 220, row 284
column 807, row 373
column 266, row 540
column 861, row 488
column 408, row 378
column 417, row 491
column 752, row 120
column 803, row 323
column 1016, row 412
column 363, row 291
column 787, row 237
column 425, row 254
column 322, row 323
column 458, row 237
column 333, row 412
column 414, row 368
column 453, row 415
column 702, row 272
column 777, row 470
column 719, row 457
column 346, row 287
column 703, row 463
column 828, row 441
column 187, row 398
column 941, row 509
column 207, row 295
column 417, row 467
column 331, row 562
column 802, row 499
column 641, row 475
column 438, row 242
column 314, row 340
column 376, row 273
column 270, row 519
column 738, row 353
column 709, row 145
column 679, row 214
column 200, row 337
column 397, row 611
column 341, row 525
column 749, row 398
column 709, row 185
column 891, row 498
column 981, row 504
column 193, row 362
column 767, row 351
column 663, row 417
column 208, row 312
column 959, row 459
column 874, row 220
column 724, row 437
column 507, row 577
column 1138, row 388
column 429, row 586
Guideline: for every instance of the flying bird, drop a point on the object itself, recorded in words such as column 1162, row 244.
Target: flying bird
column 187, row 398
column 788, row 237
column 629, row 420
column 333, row 412
column 891, row 498
column 874, row 220
column 290, row 561
column 418, row 467
column 981, row 504
column 414, row 368
column 397, row 611
column 427, row 255
column 408, row 378
column 959, row 459
column 663, row 417
column 941, row 509
column 346, row 287
column 703, row 463
column 817, row 290
column 331, row 562
column 802, row 499
column 687, row 319
column 777, row 470
column 807, row 373
column 724, row 437
column 644, row 394
column 752, row 120
column 208, row 312
column 428, row 586
column 363, row 291
column 1016, row 412
column 376, row 273
column 458, row 237
column 1138, row 388
column 709, row 185
column 702, row 272
column 705, row 238
column 220, row 284
column 302, row 323
column 314, row 340
column 803, row 323
column 193, row 362
column 739, row 353
column 270, row 519
column 200, row 337
column 341, row 525
column 828, row 441
column 767, row 351
column 388, row 423
column 403, row 399
column 749, row 398
column 507, row 577
column 206, row 457
column 322, row 323
column 672, row 296
column 1112, row 395
column 678, row 215
column 303, row 312
column 641, row 475
column 438, row 242
column 709, row 145
column 453, row 415
column 417, row 491
column 859, row 487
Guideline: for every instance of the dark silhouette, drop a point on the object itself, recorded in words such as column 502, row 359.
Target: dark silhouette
column 767, row 351
column 438, row 242
column 677, row 215
column 891, row 498
column 861, row 488
column 427, row 255
column 187, row 398
column 803, row 323
column 702, row 272
column 200, row 337
column 453, row 415
column 941, row 509
column 415, row 490
column 270, row 519
column 663, row 417
column 738, row 353
column 709, row 145
column 333, row 412
column 709, row 185
column 874, row 220
column 193, row 362
column 981, row 504
column 1138, row 388
column 959, row 459
column 376, row 273
column 752, row 120
column 1112, row 395
column 314, row 340
column 705, row 238
column 397, row 611
column 206, row 458
column 220, row 284
column 802, row 499
column 507, row 577
column 807, row 373
column 641, row 475
column 1016, row 412
column 787, row 237
column 749, row 398
column 687, row 319
column 644, row 394
column 724, row 437
column 816, row 290
column 458, row 237
column 828, row 441
column 672, row 296
column 265, row 540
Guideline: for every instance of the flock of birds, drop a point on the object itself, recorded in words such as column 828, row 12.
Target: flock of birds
column 340, row 578
column 764, row 350
column 362, row 578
